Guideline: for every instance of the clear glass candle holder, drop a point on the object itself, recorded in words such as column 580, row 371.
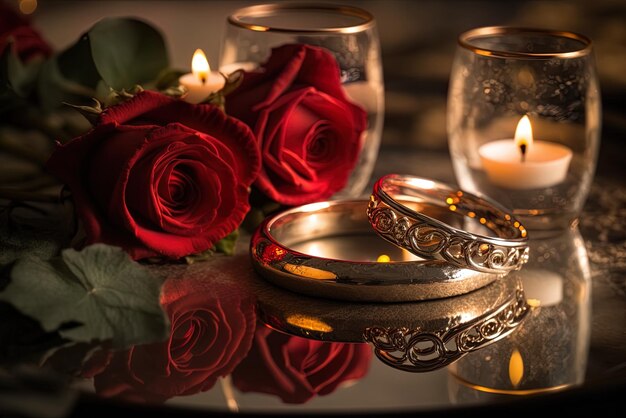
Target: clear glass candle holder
column 524, row 119
column 549, row 350
column 349, row 33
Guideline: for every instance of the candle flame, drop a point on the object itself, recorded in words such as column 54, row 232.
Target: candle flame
column 200, row 65
column 524, row 135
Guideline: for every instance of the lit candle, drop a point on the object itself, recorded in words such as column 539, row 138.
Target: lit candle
column 247, row 66
column 542, row 287
column 201, row 82
column 523, row 163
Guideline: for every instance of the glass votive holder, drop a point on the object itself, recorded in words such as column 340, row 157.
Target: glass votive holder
column 524, row 118
column 548, row 352
column 348, row 33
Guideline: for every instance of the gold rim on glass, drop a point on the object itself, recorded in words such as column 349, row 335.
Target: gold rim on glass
column 264, row 10
column 466, row 41
column 520, row 392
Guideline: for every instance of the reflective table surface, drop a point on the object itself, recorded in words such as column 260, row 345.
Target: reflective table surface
column 551, row 334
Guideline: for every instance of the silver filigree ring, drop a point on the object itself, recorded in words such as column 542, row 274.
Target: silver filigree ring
column 417, row 350
column 460, row 234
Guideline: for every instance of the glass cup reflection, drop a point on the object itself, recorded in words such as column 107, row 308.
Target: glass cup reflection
column 349, row 33
column 549, row 350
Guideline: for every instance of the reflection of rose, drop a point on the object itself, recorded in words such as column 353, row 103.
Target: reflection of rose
column 212, row 330
column 159, row 176
column 308, row 131
column 27, row 43
column 296, row 369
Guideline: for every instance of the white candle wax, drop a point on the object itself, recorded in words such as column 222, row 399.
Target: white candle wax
column 232, row 67
column 544, row 164
column 542, row 287
column 197, row 91
column 201, row 82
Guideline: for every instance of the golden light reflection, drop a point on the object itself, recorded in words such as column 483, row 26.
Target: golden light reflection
column 309, row 272
column 28, row 7
column 316, row 207
column 449, row 201
column 516, row 368
column 421, row 183
column 383, row 258
column 259, row 28
column 308, row 322
column 517, row 392
column 315, row 249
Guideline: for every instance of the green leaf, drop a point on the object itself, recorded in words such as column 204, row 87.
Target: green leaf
column 215, row 99
column 76, row 64
column 127, row 52
column 9, row 96
column 100, row 287
column 227, row 244
column 203, row 256
column 54, row 88
column 233, row 81
column 168, row 78
column 22, row 77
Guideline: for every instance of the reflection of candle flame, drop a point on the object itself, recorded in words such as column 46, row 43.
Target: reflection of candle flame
column 421, row 183
column 516, row 368
column 308, row 322
column 524, row 135
column 309, row 272
column 200, row 65
column 229, row 394
column 383, row 258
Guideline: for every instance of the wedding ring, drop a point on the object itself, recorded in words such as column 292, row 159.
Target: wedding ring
column 319, row 250
column 397, row 213
column 414, row 337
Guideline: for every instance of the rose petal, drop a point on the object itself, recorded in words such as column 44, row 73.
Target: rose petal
column 297, row 369
column 127, row 111
column 233, row 135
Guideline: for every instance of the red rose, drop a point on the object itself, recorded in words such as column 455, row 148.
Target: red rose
column 159, row 176
column 212, row 330
column 27, row 42
column 308, row 131
column 297, row 369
